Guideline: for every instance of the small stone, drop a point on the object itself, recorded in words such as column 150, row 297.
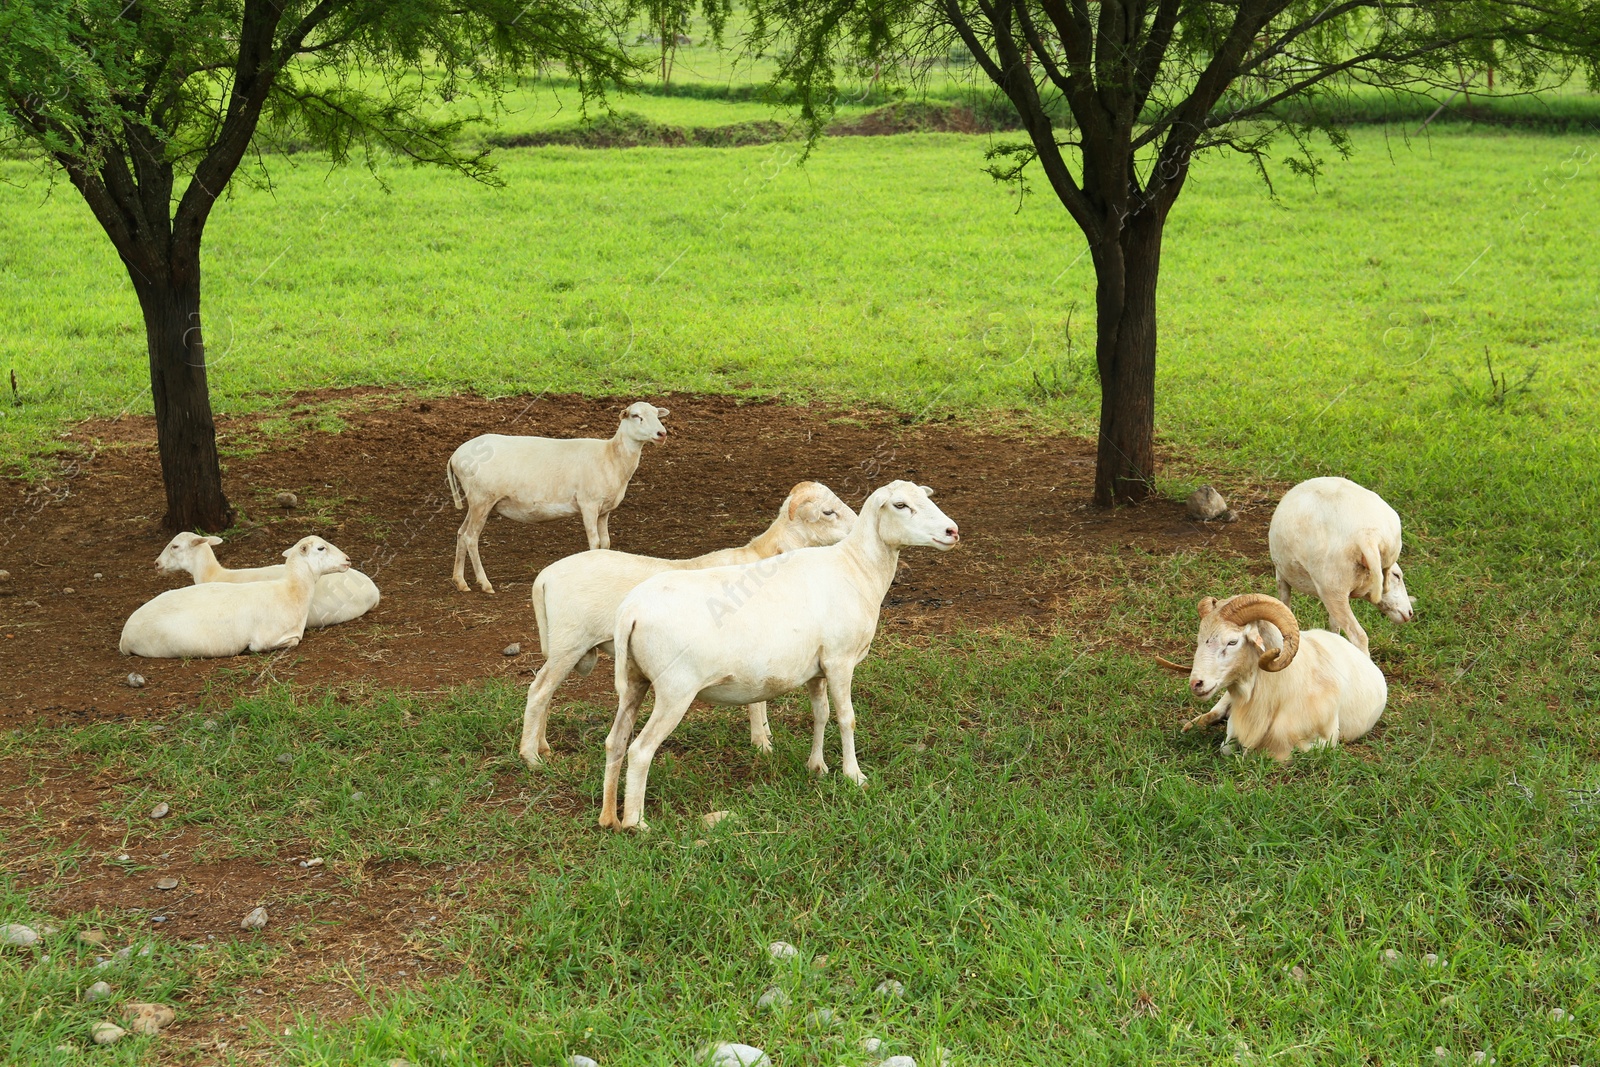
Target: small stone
column 1298, row 973
column 358, row 796
column 1391, row 955
column 166, row 883
column 135, row 681
column 209, row 726
column 898, row 1061
column 1430, row 959
column 732, row 1054
column 435, row 780
column 122, row 953
column 256, row 919
column 149, row 950
column 1559, row 1014
column 49, row 931
column 711, row 818
column 890, row 988
column 98, row 576
column 15, row 935
column 30, row 603
column 5, row 576
column 1206, row 505
column 160, row 810
column 284, row 758
column 98, row 991
column 1440, row 1052
column 773, row 998
column 69, row 1048
column 92, row 937
column 822, row 1018
column 575, row 1060
column 870, row 1045
column 122, row 857
column 1481, row 1056
column 148, row 1019
column 700, row 842
column 513, row 649
column 782, row 950
column 399, row 1061
column 69, row 590
column 820, row 963
column 314, row 861
column 286, row 500
column 107, row 1033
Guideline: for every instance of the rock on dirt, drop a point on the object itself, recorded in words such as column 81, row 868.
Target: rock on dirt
column 255, row 920
column 98, row 991
column 135, row 681
column 15, row 935
column 898, row 1061
column 1206, row 505
column 782, row 950
column 107, row 1033
column 513, row 649
column 870, row 1044
column 711, row 818
column 160, row 810
column 147, row 1018
column 167, row 883
column 92, row 937
column 733, row 1054
column 576, row 1060
column 286, row 500
column 773, row 998
column 889, row 987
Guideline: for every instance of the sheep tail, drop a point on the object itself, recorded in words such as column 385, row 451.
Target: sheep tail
column 541, row 617
column 624, row 634
column 455, row 486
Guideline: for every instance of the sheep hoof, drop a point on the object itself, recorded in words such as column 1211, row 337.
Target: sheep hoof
column 764, row 744
column 858, row 778
column 817, row 768
column 531, row 758
column 486, row 587
column 461, row 585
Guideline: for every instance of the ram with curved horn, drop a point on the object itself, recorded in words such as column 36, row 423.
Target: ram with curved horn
column 1282, row 688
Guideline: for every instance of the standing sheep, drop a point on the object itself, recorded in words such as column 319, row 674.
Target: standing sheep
column 1335, row 540
column 575, row 600
column 536, row 479
column 737, row 635
column 339, row 597
column 224, row 619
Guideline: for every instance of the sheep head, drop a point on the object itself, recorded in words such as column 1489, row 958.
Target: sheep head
column 1240, row 636
column 816, row 515
column 320, row 556
column 642, row 422
column 181, row 554
column 1395, row 604
column 906, row 517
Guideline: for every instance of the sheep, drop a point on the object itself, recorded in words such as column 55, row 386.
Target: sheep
column 339, row 597
column 575, row 600
column 1283, row 688
column 737, row 635
column 225, row 619
column 536, row 479
column 1334, row 540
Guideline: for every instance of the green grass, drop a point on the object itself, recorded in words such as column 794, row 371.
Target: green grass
column 1052, row 870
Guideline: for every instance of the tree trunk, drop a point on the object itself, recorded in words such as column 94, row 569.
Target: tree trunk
column 1125, row 352
column 185, row 432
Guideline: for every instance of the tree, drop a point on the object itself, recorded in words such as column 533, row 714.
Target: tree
column 1118, row 97
column 149, row 107
column 671, row 19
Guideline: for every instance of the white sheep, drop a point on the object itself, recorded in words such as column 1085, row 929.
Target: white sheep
column 737, row 635
column 225, row 619
column 575, row 600
column 339, row 597
column 1335, row 540
column 536, row 479
column 1284, row 689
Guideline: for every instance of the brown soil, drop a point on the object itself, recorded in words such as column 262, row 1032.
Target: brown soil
column 80, row 546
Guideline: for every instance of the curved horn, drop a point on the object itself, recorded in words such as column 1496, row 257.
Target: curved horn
column 1171, row 666
column 1252, row 607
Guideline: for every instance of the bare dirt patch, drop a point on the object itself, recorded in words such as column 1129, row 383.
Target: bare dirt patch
column 80, row 546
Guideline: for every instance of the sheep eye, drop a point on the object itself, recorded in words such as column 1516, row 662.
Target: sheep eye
column 828, row 513
column 1235, row 641
column 901, row 505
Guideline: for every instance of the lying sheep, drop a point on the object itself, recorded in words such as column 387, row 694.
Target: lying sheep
column 737, row 635
column 339, row 597
column 1283, row 689
column 1335, row 540
column 536, row 479
column 225, row 619
column 575, row 600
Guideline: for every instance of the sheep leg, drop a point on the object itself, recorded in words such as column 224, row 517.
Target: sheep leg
column 604, row 522
column 760, row 729
column 467, row 545
column 1284, row 592
column 628, row 702
column 1218, row 710
column 591, row 526
column 844, row 714
column 817, row 691
column 1340, row 617
column 664, row 718
column 536, row 713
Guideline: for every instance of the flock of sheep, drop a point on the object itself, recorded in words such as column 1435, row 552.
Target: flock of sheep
column 796, row 606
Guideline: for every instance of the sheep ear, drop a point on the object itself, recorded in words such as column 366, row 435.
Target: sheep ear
column 1207, row 605
column 288, row 552
column 213, row 541
column 794, row 506
column 1252, row 634
column 662, row 413
column 927, row 489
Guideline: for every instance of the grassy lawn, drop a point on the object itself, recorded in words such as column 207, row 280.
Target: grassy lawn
column 1051, row 870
